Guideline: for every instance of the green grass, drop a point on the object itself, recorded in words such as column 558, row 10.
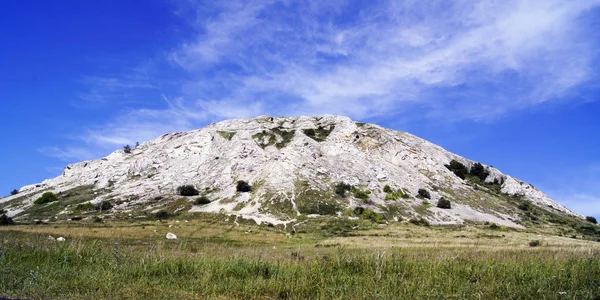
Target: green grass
column 35, row 267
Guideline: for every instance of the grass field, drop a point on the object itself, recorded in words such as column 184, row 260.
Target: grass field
column 215, row 259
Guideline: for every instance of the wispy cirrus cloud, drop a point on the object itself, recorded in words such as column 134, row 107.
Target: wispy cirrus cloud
column 478, row 59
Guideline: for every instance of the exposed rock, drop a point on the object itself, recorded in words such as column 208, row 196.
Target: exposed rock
column 292, row 165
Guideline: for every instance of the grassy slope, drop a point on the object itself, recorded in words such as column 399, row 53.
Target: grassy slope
column 215, row 259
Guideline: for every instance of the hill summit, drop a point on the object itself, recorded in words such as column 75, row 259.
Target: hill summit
column 280, row 169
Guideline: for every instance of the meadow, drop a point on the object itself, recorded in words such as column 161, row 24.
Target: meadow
column 213, row 258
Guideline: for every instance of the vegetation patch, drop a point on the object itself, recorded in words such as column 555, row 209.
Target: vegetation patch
column 278, row 136
column 361, row 194
column 419, row 222
column 315, row 201
column 285, row 135
column 46, row 197
column 319, row 134
column 84, row 207
column 368, row 214
column 341, row 188
column 390, row 194
column 228, row 135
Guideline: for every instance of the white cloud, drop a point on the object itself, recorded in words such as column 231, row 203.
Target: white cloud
column 68, row 153
column 475, row 59
column 395, row 55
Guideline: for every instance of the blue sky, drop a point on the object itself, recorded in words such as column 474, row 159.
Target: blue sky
column 509, row 83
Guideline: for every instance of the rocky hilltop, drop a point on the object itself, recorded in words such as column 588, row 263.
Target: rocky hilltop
column 296, row 167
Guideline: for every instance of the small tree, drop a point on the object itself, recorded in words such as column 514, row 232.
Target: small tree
column 187, row 190
column 444, row 203
column 479, row 171
column 127, row 149
column 14, row 192
column 458, row 168
column 591, row 219
column 243, row 186
column 424, row 193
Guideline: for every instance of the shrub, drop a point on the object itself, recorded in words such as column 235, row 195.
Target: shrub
column 369, row 214
column 364, row 195
column 127, row 149
column 444, row 203
column 387, row 189
column 358, row 210
column 591, row 219
column 4, row 219
column 458, row 168
column 479, row 171
column 243, row 186
column 103, row 206
column 202, row 200
column 14, row 192
column 424, row 193
column 46, row 197
column 341, row 188
column 419, row 222
column 187, row 190
column 494, row 226
column 162, row 214
column 535, row 243
column 525, row 205
column 84, row 206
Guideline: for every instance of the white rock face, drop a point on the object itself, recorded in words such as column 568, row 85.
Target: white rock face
column 214, row 158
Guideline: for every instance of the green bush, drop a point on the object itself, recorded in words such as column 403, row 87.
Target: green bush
column 591, row 219
column 444, row 203
column 4, row 219
column 127, row 149
column 479, row 171
column 243, row 186
column 84, row 206
column 103, row 206
column 525, row 205
column 424, row 193
column 46, row 197
column 202, row 200
column 387, row 189
column 162, row 214
column 341, row 188
column 187, row 190
column 14, row 192
column 371, row 215
column 535, row 243
column 458, row 168
column 364, row 195
column 419, row 222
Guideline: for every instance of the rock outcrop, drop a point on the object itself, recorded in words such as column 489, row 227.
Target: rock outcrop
column 293, row 165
